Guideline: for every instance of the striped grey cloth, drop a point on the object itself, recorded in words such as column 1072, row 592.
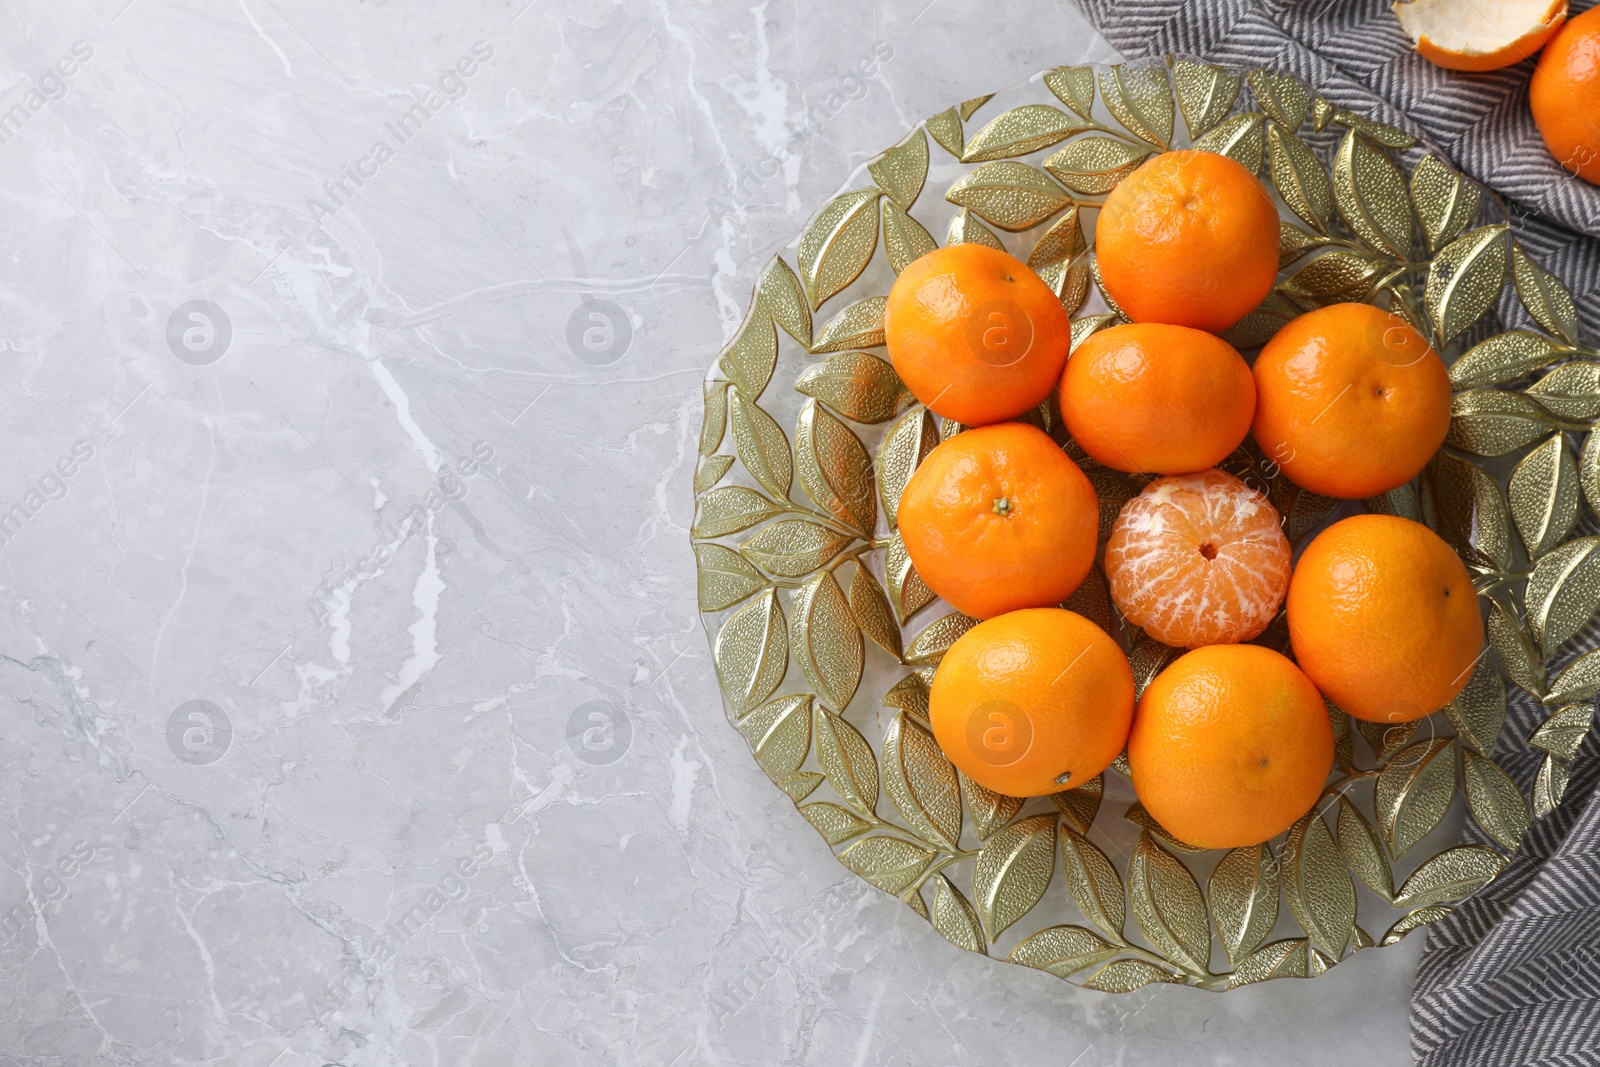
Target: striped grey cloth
column 1511, row 978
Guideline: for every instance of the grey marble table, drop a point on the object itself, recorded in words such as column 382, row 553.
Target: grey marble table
column 356, row 710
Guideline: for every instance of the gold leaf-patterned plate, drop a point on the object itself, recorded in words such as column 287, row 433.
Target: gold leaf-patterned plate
column 825, row 639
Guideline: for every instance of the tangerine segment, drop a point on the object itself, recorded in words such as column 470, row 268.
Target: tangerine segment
column 1198, row 559
column 975, row 335
column 1564, row 96
column 1351, row 401
column 1032, row 702
column 1384, row 618
column 998, row 518
column 1190, row 239
column 1147, row 397
column 1230, row 745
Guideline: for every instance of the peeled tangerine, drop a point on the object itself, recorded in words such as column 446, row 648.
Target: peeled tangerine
column 1198, row 559
column 1480, row 34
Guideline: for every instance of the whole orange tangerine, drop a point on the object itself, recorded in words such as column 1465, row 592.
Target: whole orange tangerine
column 1351, row 401
column 1032, row 702
column 1384, row 619
column 1188, row 239
column 1230, row 745
column 1565, row 96
column 975, row 335
column 998, row 518
column 1147, row 397
column 1198, row 559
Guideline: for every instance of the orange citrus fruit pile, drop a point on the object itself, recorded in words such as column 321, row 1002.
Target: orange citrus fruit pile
column 1232, row 742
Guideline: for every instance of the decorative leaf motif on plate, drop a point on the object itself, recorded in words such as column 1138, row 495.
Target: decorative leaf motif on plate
column 1094, row 165
column 955, row 918
column 1299, row 178
column 872, row 611
column 835, row 824
column 1494, row 799
column 1548, row 786
column 779, row 733
column 1140, row 97
column 1079, row 805
column 839, row 243
column 835, row 469
column 1242, row 138
column 1565, row 729
column 730, row 509
column 725, row 578
column 1564, row 592
column 1093, row 883
column 1244, row 899
column 1445, row 199
column 1013, row 870
column 901, row 171
column 1063, row 950
column 1571, row 391
column 793, row 547
column 1464, row 279
column 1073, row 86
column 1544, row 496
column 893, row 864
column 762, row 446
column 1503, row 358
column 1494, row 422
column 966, row 229
column 752, row 652
column 905, row 240
column 1010, row 195
column 1451, row 875
column 921, row 782
column 1022, row 130
column 749, row 359
column 990, row 811
column 1479, row 713
column 1124, row 976
column 709, row 470
column 1168, row 906
column 858, row 385
column 847, row 760
column 1205, row 93
column 1372, row 198
column 1414, row 789
column 1361, row 851
column 932, row 643
column 1546, row 299
column 825, row 640
column 1316, row 885
column 1283, row 96
column 715, row 419
column 858, row 326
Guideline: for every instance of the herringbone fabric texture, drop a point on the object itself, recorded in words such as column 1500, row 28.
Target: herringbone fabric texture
column 1512, row 977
